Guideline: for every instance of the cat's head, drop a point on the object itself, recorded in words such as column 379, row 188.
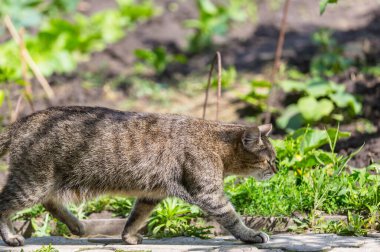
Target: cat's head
column 257, row 154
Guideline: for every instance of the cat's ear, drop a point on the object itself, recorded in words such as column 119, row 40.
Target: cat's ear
column 265, row 129
column 251, row 138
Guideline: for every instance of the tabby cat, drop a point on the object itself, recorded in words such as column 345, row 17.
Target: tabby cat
column 73, row 153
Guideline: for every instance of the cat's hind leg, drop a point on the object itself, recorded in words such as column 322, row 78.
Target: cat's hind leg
column 137, row 219
column 16, row 195
column 60, row 212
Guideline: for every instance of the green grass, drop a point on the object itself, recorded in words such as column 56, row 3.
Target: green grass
column 48, row 248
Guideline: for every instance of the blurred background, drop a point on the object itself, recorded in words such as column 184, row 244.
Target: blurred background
column 154, row 56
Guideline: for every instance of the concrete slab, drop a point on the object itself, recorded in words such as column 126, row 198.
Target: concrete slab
column 283, row 242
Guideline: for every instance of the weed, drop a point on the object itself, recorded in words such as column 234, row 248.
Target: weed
column 119, row 206
column 48, row 248
column 174, row 218
column 29, row 213
column 310, row 180
column 330, row 59
column 60, row 43
column 44, row 229
column 258, row 94
column 215, row 20
column 319, row 99
column 158, row 59
column 323, row 4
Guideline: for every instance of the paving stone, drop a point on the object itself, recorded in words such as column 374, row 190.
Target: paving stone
column 278, row 243
column 312, row 242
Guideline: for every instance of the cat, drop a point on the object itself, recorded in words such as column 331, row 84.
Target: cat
column 74, row 153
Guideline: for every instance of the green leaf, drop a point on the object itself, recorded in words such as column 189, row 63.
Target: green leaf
column 313, row 138
column 261, row 83
column 290, row 118
column 207, row 6
column 291, row 85
column 313, row 110
column 344, row 100
column 325, row 107
column 323, row 4
column 318, row 88
column 2, row 96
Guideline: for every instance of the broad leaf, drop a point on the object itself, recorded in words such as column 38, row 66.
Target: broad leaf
column 312, row 109
column 290, row 118
column 313, row 138
column 291, row 85
column 318, row 88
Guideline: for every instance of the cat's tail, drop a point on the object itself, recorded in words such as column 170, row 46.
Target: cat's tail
column 5, row 141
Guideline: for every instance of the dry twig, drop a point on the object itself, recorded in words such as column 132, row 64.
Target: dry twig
column 28, row 88
column 14, row 115
column 277, row 61
column 218, row 59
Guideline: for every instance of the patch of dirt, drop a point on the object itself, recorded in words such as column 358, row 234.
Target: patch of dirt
column 368, row 88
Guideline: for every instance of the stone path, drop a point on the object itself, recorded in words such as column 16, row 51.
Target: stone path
column 283, row 242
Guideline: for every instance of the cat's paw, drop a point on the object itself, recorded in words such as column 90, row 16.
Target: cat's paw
column 132, row 239
column 260, row 237
column 77, row 229
column 15, row 240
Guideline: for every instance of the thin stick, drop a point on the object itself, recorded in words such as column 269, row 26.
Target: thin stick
column 217, row 58
column 277, row 61
column 29, row 60
column 17, row 110
column 28, row 88
column 280, row 42
column 219, row 94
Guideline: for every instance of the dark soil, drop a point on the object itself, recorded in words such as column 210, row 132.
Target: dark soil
column 368, row 88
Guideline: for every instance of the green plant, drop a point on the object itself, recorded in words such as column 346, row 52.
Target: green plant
column 44, row 229
column 319, row 99
column 174, row 218
column 355, row 225
column 258, row 94
column 310, row 180
column 372, row 70
column 61, row 43
column 158, row 59
column 29, row 213
column 31, row 13
column 60, row 229
column 119, row 206
column 78, row 210
column 229, row 77
column 48, row 248
column 215, row 20
column 323, row 4
column 329, row 60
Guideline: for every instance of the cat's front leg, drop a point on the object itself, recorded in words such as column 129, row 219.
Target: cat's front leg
column 219, row 207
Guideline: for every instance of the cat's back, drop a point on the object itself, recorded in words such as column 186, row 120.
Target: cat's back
column 99, row 119
column 79, row 123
